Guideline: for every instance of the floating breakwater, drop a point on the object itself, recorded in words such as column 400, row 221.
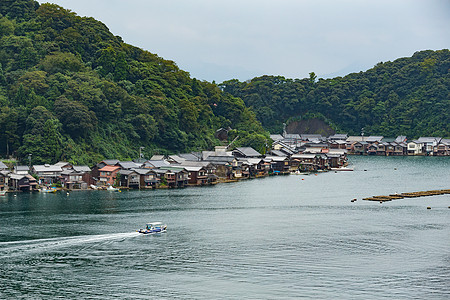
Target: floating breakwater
column 407, row 195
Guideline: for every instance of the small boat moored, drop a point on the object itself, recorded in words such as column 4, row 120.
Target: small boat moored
column 153, row 227
column 112, row 189
column 3, row 193
column 48, row 190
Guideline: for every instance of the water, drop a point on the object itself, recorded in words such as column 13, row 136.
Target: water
column 272, row 238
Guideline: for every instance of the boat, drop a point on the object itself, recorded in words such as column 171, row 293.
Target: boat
column 113, row 189
column 342, row 169
column 2, row 193
column 153, row 227
column 46, row 190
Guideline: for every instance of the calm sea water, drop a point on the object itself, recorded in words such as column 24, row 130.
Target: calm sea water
column 274, row 238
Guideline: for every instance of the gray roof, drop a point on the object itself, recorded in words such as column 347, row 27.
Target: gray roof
column 82, row 168
column 220, row 159
column 339, row 136
column 205, row 164
column 127, row 172
column 278, row 153
column 3, row 166
column 373, row 138
column 68, row 172
column 143, row 171
column 177, row 158
column 429, row 139
column 111, row 162
column 157, row 157
column 21, row 168
column 400, row 138
column 311, row 137
column 156, row 163
column 47, row 168
column 276, row 137
column 290, row 136
column 189, row 156
column 62, row 164
column 16, row 176
column 275, row 158
column 128, row 165
column 248, row 151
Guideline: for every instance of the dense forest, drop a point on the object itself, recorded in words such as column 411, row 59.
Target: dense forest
column 409, row 96
column 71, row 90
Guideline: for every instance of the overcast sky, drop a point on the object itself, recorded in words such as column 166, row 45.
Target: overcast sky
column 222, row 40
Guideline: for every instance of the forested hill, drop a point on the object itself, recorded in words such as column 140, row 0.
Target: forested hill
column 409, row 96
column 71, row 90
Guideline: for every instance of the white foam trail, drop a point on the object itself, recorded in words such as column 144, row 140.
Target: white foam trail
column 40, row 245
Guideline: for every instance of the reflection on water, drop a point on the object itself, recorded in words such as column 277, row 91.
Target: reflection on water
column 273, row 238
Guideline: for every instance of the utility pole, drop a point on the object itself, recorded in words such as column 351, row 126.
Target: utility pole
column 140, row 152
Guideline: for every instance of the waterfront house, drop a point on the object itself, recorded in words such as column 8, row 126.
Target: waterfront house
column 278, row 164
column 176, row 176
column 360, row 148
column 400, row 149
column 24, row 183
column 223, row 165
column 72, row 179
column 208, row 166
column 130, row 179
column 428, row 144
column 108, row 175
column 442, row 148
column 149, row 178
column 95, row 173
column 4, row 177
column 338, row 144
column 306, row 162
column 196, row 175
column 415, row 148
column 372, row 149
column 47, row 174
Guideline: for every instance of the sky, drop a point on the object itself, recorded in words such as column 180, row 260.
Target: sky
column 222, row 40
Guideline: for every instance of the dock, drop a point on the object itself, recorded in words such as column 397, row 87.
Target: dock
column 407, row 195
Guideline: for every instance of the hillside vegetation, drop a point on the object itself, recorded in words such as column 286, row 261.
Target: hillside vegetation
column 409, row 96
column 71, row 90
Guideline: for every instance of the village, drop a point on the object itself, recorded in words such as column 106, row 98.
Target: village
column 290, row 154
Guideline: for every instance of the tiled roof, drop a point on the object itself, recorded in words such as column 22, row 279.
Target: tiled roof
column 109, row 168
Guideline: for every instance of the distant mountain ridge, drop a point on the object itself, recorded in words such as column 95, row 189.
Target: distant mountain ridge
column 409, row 96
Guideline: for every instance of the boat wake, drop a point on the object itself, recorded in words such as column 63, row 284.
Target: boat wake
column 8, row 249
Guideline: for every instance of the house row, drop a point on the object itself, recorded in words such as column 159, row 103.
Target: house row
column 174, row 171
column 370, row 145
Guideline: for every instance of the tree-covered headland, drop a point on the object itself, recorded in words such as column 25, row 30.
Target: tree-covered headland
column 71, row 90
